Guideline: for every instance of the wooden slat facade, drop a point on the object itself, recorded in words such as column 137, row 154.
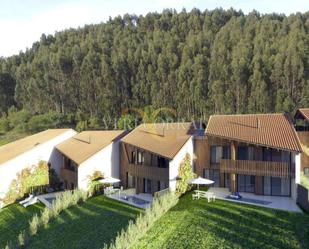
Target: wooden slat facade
column 69, row 177
column 145, row 171
column 257, row 168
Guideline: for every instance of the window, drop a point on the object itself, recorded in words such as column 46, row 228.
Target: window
column 133, row 157
column 215, row 154
column 277, row 186
column 306, row 171
column 162, row 162
column 140, row 157
column 214, row 175
column 242, row 153
column 245, row 183
column 226, row 152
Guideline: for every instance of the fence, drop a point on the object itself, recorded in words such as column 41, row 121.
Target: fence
column 161, row 193
column 303, row 197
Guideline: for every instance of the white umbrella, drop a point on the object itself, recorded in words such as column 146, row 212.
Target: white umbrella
column 109, row 180
column 200, row 181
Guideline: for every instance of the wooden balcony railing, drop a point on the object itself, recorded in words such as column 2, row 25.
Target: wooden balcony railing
column 149, row 172
column 257, row 168
column 70, row 175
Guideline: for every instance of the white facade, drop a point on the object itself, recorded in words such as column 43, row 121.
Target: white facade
column 44, row 151
column 105, row 161
column 175, row 163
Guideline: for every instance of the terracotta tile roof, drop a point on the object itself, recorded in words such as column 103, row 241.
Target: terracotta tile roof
column 270, row 130
column 87, row 143
column 304, row 112
column 16, row 148
column 164, row 139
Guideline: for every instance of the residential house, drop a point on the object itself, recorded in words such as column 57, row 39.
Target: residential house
column 256, row 153
column 26, row 152
column 301, row 120
column 86, row 153
column 151, row 154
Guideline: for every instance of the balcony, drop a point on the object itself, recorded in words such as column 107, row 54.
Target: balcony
column 68, row 175
column 257, row 168
column 149, row 172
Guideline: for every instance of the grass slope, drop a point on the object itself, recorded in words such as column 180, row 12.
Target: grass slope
column 221, row 224
column 88, row 225
column 11, row 136
column 13, row 219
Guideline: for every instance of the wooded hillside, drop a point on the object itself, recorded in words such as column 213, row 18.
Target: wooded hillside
column 196, row 62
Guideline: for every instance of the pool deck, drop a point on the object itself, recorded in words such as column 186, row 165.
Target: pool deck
column 42, row 198
column 277, row 202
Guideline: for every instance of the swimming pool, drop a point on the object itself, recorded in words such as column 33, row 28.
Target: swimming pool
column 248, row 200
column 134, row 200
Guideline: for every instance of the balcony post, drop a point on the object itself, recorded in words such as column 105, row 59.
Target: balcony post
column 233, row 158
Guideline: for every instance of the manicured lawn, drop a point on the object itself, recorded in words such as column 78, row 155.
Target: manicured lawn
column 88, row 225
column 13, row 219
column 221, row 224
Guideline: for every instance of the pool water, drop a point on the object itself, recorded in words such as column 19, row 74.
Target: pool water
column 247, row 200
column 50, row 199
column 135, row 200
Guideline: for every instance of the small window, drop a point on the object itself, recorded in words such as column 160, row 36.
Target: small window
column 306, row 171
column 133, row 157
column 140, row 157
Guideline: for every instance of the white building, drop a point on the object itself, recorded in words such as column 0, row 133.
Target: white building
column 151, row 155
column 26, row 152
column 86, row 153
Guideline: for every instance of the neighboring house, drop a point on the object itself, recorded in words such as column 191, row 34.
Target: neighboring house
column 256, row 153
column 87, row 152
column 150, row 155
column 301, row 120
column 26, row 152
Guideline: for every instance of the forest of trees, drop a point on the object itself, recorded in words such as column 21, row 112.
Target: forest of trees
column 197, row 63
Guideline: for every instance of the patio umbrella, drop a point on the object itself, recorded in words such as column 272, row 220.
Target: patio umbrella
column 109, row 180
column 200, row 181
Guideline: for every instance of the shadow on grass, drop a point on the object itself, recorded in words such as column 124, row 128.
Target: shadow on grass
column 222, row 224
column 88, row 225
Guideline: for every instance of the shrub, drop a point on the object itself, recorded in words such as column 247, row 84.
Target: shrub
column 185, row 174
column 63, row 201
column 34, row 225
column 304, row 181
column 137, row 230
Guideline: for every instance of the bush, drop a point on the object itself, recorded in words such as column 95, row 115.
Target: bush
column 63, row 201
column 44, row 121
column 185, row 174
column 137, row 230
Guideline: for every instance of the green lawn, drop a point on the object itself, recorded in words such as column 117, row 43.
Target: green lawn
column 13, row 219
column 88, row 225
column 221, row 224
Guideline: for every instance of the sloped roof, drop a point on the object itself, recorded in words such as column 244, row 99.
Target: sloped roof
column 303, row 112
column 16, row 148
column 164, row 139
column 87, row 143
column 270, row 130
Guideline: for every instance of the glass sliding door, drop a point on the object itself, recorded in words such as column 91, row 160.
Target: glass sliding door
column 245, row 183
column 214, row 175
column 277, row 186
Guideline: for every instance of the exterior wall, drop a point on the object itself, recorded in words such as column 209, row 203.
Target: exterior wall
column 106, row 161
column 45, row 152
column 304, row 139
column 175, row 163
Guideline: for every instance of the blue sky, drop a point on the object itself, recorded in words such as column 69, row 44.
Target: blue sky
column 23, row 21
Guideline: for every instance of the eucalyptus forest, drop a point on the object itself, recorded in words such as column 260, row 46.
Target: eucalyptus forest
column 194, row 62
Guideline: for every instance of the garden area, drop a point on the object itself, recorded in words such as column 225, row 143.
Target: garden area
column 15, row 218
column 223, row 224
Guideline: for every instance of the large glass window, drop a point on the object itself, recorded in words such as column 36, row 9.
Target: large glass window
column 277, row 186
column 214, row 175
column 226, row 152
column 227, row 180
column 242, row 153
column 245, row 183
column 215, row 154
